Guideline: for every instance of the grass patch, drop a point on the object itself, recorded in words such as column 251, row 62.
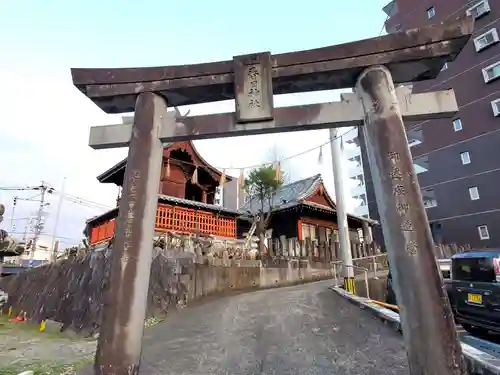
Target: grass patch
column 47, row 368
column 26, row 328
column 31, row 329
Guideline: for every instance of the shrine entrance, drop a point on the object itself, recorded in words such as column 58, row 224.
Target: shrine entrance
column 372, row 67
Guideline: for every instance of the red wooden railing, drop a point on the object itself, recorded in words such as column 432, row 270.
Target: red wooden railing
column 178, row 219
column 102, row 232
column 181, row 219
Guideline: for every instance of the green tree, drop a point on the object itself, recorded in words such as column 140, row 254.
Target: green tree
column 262, row 183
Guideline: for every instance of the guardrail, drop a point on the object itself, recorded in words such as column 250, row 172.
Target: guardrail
column 372, row 266
column 335, row 269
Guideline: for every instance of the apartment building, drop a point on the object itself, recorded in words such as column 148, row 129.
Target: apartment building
column 355, row 172
column 458, row 159
column 355, row 167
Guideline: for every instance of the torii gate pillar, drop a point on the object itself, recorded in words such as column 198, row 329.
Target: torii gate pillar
column 431, row 340
column 120, row 337
column 428, row 327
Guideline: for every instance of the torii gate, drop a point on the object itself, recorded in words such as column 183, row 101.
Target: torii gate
column 372, row 66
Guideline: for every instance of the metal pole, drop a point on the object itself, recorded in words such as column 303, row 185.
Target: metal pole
column 335, row 277
column 428, row 328
column 58, row 214
column 367, row 284
column 338, row 179
column 374, row 267
column 120, row 339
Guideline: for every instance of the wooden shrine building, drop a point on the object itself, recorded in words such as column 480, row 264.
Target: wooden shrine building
column 186, row 198
column 304, row 211
column 300, row 211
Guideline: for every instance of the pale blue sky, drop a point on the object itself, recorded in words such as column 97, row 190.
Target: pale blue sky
column 40, row 41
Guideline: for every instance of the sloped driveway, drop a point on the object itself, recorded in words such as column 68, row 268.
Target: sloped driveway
column 306, row 329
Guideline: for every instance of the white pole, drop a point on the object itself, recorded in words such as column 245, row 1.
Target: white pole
column 345, row 244
column 56, row 223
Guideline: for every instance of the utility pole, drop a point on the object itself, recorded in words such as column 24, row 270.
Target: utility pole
column 338, row 179
column 12, row 222
column 2, row 211
column 39, row 223
column 56, row 223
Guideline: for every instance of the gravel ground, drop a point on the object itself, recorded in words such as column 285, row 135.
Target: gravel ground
column 306, row 329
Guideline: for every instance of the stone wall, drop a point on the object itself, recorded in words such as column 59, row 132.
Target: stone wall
column 71, row 291
column 216, row 276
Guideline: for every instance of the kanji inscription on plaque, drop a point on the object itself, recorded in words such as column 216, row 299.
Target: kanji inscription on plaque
column 253, row 87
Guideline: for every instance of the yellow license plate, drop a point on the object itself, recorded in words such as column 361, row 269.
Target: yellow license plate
column 475, row 298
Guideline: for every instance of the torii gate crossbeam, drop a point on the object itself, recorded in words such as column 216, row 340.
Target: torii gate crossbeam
column 371, row 66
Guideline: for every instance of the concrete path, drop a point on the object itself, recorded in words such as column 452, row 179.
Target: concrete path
column 306, row 329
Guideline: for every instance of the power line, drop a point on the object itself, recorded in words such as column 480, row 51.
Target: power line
column 81, row 201
column 272, row 162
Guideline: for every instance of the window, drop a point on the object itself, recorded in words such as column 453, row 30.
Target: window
column 495, row 104
column 431, row 12
column 483, row 232
column 473, row 269
column 486, row 40
column 479, row 9
column 474, row 193
column 465, row 156
column 429, row 198
column 491, row 72
column 445, row 66
column 457, row 124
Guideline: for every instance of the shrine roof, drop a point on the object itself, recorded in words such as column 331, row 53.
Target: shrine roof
column 116, row 172
column 411, row 55
column 295, row 194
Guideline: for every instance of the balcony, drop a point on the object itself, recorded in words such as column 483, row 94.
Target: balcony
column 175, row 215
column 352, row 152
column 351, row 135
column 415, row 136
column 429, row 198
column 391, row 8
column 361, row 211
column 391, row 24
column 358, row 190
column 421, row 164
column 355, row 168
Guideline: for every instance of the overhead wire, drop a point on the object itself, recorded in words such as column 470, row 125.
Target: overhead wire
column 272, row 162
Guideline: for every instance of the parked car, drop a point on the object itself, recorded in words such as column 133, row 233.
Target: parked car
column 475, row 290
column 444, row 266
column 391, row 296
